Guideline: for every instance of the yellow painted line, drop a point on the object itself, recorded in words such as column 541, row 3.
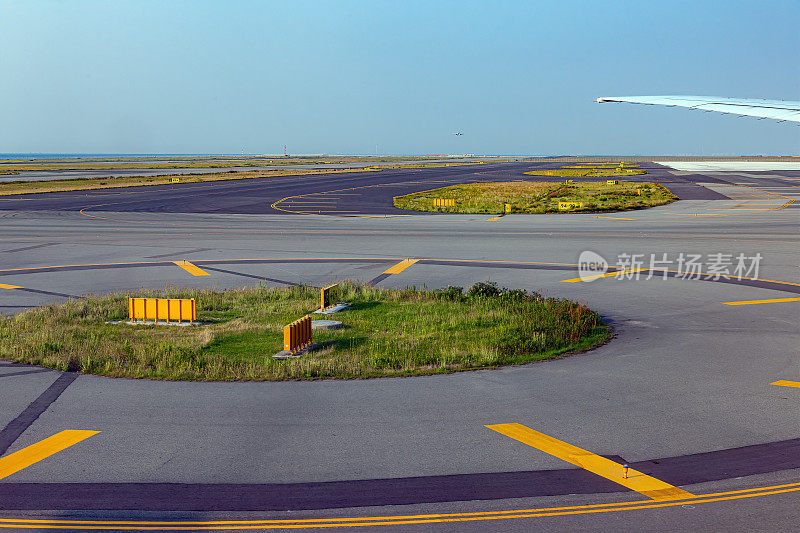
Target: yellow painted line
column 642, row 483
column 399, row 267
column 772, row 301
column 606, row 275
column 493, row 219
column 787, row 383
column 4, row 286
column 390, row 520
column 191, row 269
column 696, row 214
column 34, row 453
column 616, row 218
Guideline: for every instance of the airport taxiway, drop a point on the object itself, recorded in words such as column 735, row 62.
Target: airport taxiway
column 683, row 394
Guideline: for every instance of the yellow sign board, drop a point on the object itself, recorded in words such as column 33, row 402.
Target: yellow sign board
column 176, row 180
column 569, row 206
column 507, row 208
column 612, row 182
column 166, row 309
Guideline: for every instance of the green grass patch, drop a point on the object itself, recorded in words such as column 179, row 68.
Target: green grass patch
column 387, row 332
column 536, row 197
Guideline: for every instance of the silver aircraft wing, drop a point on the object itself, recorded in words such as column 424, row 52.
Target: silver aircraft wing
column 782, row 110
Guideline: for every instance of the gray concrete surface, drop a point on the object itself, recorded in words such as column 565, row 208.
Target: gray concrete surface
column 684, row 375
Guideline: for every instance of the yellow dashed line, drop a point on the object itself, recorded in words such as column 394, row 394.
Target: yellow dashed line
column 399, row 267
column 45, row 448
column 787, row 383
column 642, row 483
column 493, row 219
column 606, row 275
column 772, row 301
column 194, row 270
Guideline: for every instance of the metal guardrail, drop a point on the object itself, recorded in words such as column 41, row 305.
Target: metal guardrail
column 297, row 335
column 166, row 309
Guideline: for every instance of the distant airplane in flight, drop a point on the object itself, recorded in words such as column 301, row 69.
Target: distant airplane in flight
column 457, row 133
column 780, row 110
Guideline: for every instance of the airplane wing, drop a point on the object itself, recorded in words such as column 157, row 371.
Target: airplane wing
column 781, row 110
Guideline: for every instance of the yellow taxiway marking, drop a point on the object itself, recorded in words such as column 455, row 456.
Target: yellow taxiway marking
column 399, row 267
column 606, row 275
column 372, row 521
column 493, row 219
column 34, row 453
column 787, row 383
column 772, row 301
column 194, row 270
column 616, row 218
column 696, row 214
column 4, row 286
column 642, row 483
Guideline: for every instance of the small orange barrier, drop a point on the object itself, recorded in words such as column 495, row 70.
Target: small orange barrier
column 297, row 335
column 325, row 296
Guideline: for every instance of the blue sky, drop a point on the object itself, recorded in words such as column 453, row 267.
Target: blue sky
column 341, row 77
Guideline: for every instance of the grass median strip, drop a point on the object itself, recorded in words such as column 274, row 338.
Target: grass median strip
column 388, row 332
column 536, row 197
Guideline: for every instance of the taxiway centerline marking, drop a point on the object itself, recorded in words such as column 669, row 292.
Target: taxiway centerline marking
column 34, row 453
column 191, row 269
column 770, row 301
column 786, row 383
column 399, row 267
column 606, row 275
column 4, row 286
column 642, row 483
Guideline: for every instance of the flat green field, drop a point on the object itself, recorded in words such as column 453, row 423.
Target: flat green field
column 536, row 197
column 386, row 333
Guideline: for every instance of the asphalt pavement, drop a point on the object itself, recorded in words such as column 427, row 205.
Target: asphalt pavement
column 684, row 393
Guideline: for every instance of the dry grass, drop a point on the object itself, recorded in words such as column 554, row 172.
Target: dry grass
column 31, row 187
column 589, row 172
column 387, row 333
